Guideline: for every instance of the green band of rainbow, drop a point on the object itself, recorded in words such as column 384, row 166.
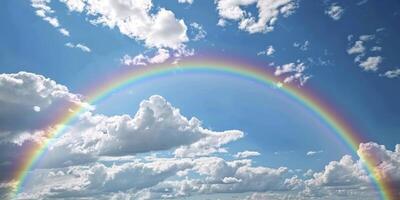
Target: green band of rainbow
column 327, row 114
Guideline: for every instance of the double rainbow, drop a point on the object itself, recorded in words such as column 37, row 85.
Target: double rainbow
column 261, row 75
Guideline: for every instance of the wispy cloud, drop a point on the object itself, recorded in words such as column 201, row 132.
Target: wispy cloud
column 80, row 46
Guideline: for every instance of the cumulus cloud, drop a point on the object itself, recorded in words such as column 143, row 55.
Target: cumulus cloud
column 340, row 173
column 29, row 103
column 135, row 20
column 268, row 13
column 386, row 162
column 26, row 99
column 156, row 126
column 99, row 179
column 334, row 11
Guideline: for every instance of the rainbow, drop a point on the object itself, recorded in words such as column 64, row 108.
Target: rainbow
column 118, row 81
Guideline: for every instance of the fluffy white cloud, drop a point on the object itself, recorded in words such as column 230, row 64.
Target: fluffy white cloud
column 348, row 177
column 371, row 63
column 359, row 49
column 340, row 173
column 23, row 95
column 334, row 11
column 386, row 162
column 100, row 179
column 156, row 126
column 268, row 13
column 246, row 154
column 80, row 46
column 135, row 20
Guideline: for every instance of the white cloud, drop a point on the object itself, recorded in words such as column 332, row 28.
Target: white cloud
column 392, row 73
column 64, row 32
column 269, row 51
column 268, row 13
column 135, row 20
column 343, row 178
column 386, row 162
column 221, row 22
column 156, row 126
column 295, row 71
column 313, row 153
column 199, row 32
column 80, row 46
column 36, row 108
column 368, row 63
column 212, row 143
column 160, row 56
column 246, row 154
column 334, row 11
column 23, row 94
column 44, row 11
column 52, row 21
column 371, row 63
column 358, row 48
column 186, row 1
column 74, row 5
column 99, row 179
column 157, row 28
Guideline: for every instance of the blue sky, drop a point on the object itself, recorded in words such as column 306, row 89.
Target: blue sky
column 345, row 51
